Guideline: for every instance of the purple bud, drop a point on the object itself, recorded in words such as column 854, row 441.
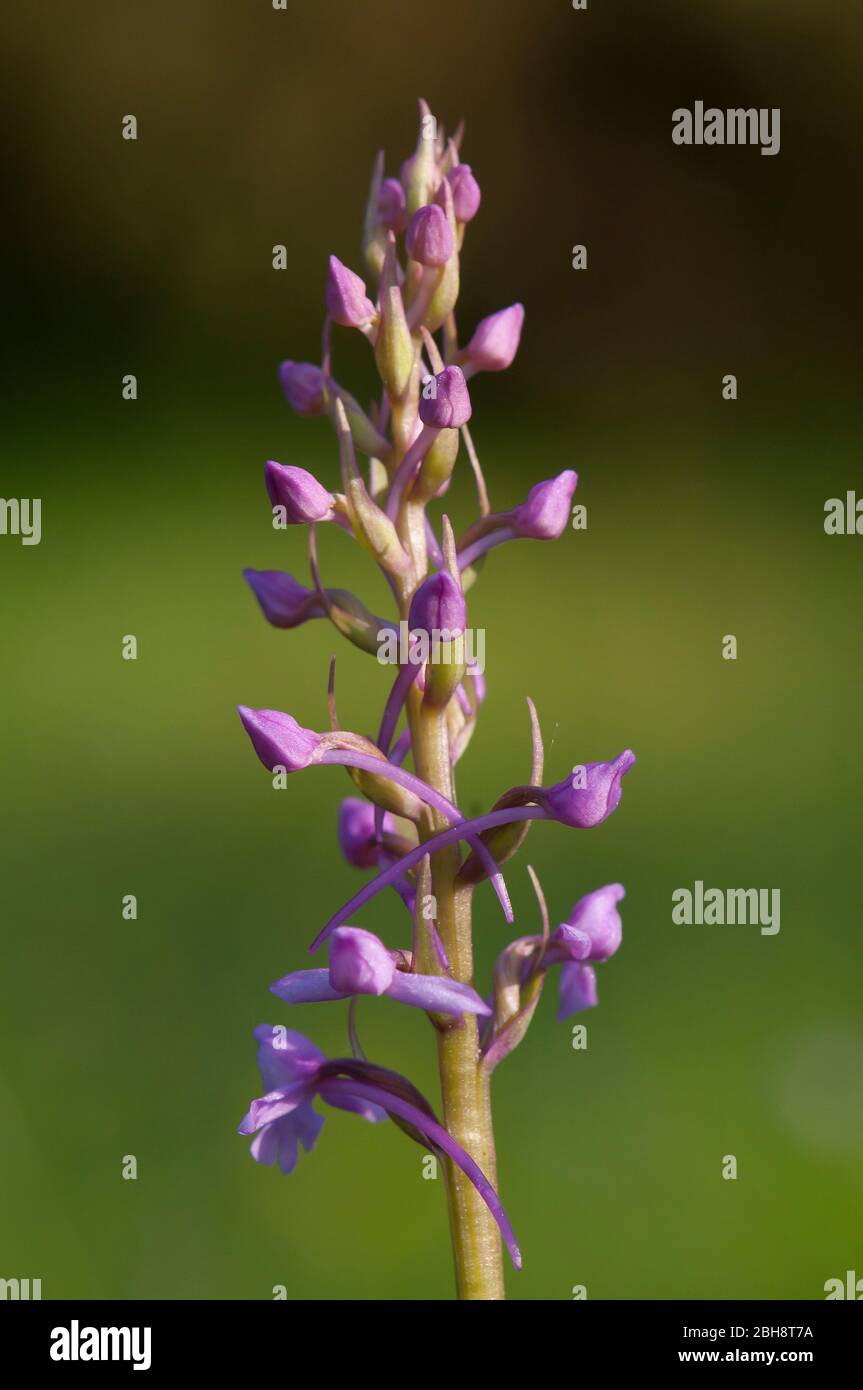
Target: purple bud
column 304, row 386
column 445, row 400
column 299, row 492
column 284, row 602
column 594, row 921
column 359, row 962
column 429, row 239
column 391, row 205
column 438, row 605
column 545, row 513
column 594, row 796
column 495, row 340
column 278, row 739
column 359, row 843
column 466, row 195
column 347, row 301
column 577, row 989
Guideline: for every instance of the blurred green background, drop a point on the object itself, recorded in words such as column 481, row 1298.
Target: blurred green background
column 258, row 127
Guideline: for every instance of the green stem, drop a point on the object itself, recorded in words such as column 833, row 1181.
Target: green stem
column 464, row 1088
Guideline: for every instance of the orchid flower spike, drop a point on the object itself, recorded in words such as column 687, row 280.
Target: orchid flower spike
column 398, row 453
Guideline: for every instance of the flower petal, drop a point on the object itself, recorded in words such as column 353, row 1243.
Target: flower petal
column 306, row 987
column 437, row 993
column 577, row 989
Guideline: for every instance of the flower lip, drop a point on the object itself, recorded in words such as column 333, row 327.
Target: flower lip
column 278, row 739
column 359, row 962
column 304, row 386
column 429, row 237
column 445, row 400
column 587, row 806
column 299, row 492
column 577, row 989
column 544, row 514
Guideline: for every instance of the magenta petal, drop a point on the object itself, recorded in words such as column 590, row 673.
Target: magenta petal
column 303, row 1126
column 437, row 993
column 577, row 989
column 285, row 1057
column 271, row 1107
column 356, row 1105
column 359, row 962
column 306, row 987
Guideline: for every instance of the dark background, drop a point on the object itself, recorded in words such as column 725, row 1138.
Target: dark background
column 258, row 127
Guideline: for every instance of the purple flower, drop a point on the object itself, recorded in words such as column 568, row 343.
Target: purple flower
column 391, row 205
column 296, row 1073
column 544, row 514
column 357, row 835
column 299, row 492
column 429, row 237
column 361, row 964
column 284, row 602
column 347, row 301
column 304, row 385
column 587, row 804
column 589, row 796
column 495, row 341
column 593, row 929
column 466, row 194
column 541, row 517
column 438, row 606
column 592, row 932
column 279, row 740
column 285, row 1117
column 445, row 400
